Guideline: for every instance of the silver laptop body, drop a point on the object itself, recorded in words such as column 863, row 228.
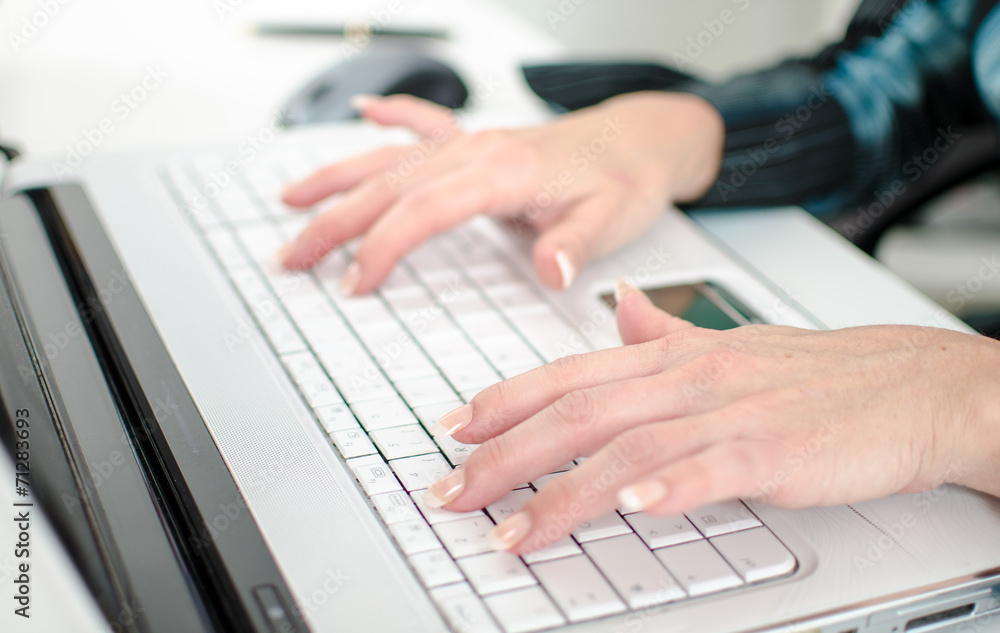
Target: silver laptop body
column 217, row 484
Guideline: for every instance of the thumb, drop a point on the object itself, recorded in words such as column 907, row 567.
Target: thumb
column 639, row 321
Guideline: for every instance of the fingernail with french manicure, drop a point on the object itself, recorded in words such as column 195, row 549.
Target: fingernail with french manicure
column 362, row 101
column 453, row 422
column 510, row 532
column 623, row 289
column 349, row 282
column 446, row 489
column 281, row 255
column 566, row 269
column 642, row 496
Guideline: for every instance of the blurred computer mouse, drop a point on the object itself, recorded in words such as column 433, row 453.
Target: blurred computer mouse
column 327, row 96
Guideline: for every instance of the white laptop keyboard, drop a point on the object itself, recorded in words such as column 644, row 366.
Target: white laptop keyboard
column 455, row 317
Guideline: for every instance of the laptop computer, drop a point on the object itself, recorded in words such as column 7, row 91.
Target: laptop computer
column 224, row 446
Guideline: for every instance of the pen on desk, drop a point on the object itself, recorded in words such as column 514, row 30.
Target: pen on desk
column 342, row 30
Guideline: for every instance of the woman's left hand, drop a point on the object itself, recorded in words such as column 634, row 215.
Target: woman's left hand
column 683, row 416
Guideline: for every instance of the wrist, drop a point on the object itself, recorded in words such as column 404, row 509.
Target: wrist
column 978, row 466
column 689, row 135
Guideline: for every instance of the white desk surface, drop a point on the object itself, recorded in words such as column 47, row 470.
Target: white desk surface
column 222, row 83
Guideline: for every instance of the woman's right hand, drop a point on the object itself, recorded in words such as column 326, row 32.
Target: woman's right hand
column 587, row 182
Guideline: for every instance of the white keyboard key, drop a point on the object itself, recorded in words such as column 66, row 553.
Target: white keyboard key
column 336, row 417
column 282, row 334
column 414, row 536
column 602, row 527
column 330, row 270
column 548, row 334
column 204, row 216
column 429, row 259
column 368, row 310
column 418, row 473
column 470, row 307
column 303, row 367
column 399, row 283
column 542, row 481
column 659, row 531
column 403, row 441
column 253, row 289
column 578, row 588
column 395, row 507
column 562, row 548
column 509, row 351
column 361, row 387
column 285, row 283
column 314, row 315
column 485, row 328
column 755, row 554
column 509, row 372
column 470, row 373
column 382, row 338
column 430, row 414
column 226, row 248
column 509, row 504
column 410, row 362
column 336, row 340
column 451, row 352
column 454, row 451
column 466, row 537
column 415, row 309
column 260, row 239
column 374, row 474
column 237, row 205
column 435, row 568
column 525, row 610
column 383, row 413
column 634, row 571
column 469, row 394
column 723, row 518
column 699, row 568
column 494, row 274
column 440, row 515
column 320, row 393
column 517, row 299
column 353, row 443
column 463, row 609
column 420, row 392
column 495, row 572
